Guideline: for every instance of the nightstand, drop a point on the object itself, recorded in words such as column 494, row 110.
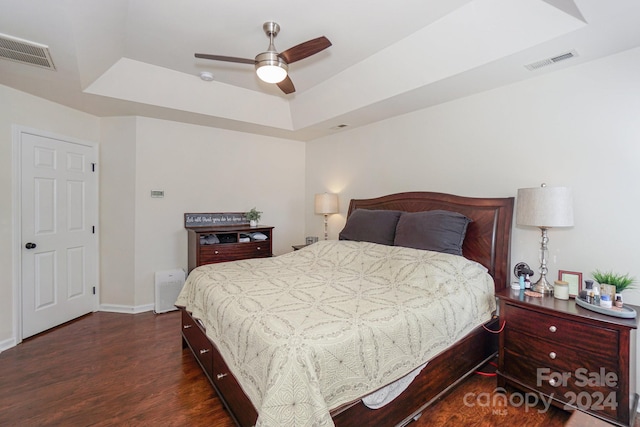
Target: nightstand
column 577, row 357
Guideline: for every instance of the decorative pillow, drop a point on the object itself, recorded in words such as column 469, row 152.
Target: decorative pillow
column 375, row 226
column 441, row 231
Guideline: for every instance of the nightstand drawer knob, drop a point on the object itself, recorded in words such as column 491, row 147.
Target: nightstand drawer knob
column 552, row 328
column 216, row 252
column 258, row 248
column 553, row 382
column 187, row 326
column 221, row 376
column 204, row 351
column 552, row 355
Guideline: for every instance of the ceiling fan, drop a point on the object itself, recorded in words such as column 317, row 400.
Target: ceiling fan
column 271, row 66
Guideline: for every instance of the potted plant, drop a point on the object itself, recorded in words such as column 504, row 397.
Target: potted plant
column 620, row 281
column 253, row 216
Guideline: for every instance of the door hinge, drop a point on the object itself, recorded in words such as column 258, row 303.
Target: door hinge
column 94, row 290
column 93, row 167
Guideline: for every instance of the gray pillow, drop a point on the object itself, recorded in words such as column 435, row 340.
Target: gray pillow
column 375, row 226
column 441, row 231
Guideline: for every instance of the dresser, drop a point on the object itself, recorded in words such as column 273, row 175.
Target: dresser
column 208, row 245
column 579, row 358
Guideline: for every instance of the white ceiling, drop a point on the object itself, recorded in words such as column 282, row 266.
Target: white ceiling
column 135, row 57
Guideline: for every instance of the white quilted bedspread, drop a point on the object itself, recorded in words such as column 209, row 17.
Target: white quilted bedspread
column 316, row 328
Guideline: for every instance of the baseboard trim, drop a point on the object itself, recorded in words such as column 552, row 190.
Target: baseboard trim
column 128, row 309
column 7, row 344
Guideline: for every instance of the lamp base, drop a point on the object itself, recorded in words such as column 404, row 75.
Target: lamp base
column 543, row 286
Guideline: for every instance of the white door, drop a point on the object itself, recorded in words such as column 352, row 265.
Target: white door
column 59, row 206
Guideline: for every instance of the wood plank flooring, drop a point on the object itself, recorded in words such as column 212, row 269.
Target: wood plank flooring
column 109, row 369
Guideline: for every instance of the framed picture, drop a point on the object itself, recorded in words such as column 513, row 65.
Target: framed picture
column 574, row 279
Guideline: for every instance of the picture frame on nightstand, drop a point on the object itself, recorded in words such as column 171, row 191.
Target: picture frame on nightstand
column 574, row 279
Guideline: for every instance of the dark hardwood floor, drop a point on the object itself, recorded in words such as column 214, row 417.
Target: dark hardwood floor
column 118, row 369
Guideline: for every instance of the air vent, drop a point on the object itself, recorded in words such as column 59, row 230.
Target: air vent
column 550, row 61
column 25, row 52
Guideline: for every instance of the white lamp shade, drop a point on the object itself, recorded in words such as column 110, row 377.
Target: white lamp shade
column 545, row 207
column 326, row 203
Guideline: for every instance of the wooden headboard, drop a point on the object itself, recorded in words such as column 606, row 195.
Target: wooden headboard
column 488, row 238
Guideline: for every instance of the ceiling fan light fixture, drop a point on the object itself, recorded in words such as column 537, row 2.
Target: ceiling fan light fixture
column 270, row 68
column 271, row 73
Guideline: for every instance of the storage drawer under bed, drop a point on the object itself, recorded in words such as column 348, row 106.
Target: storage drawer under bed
column 200, row 346
column 224, row 383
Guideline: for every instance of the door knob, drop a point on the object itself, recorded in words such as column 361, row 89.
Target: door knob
column 30, row 245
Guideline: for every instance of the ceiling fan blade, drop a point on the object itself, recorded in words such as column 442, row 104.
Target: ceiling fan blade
column 304, row 50
column 286, row 86
column 226, row 58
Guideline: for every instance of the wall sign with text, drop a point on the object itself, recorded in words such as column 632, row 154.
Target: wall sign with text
column 192, row 220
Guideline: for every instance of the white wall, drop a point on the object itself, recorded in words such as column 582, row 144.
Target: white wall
column 204, row 169
column 579, row 127
column 117, row 168
column 19, row 108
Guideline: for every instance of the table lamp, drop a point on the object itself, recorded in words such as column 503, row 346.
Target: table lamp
column 326, row 204
column 544, row 207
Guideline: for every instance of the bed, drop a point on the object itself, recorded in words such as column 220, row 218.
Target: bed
column 288, row 373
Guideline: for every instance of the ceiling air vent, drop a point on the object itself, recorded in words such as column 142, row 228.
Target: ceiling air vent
column 551, row 61
column 26, row 52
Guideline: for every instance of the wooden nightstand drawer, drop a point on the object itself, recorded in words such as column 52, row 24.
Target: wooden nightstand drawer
column 575, row 389
column 594, row 339
column 563, row 357
column 561, row 370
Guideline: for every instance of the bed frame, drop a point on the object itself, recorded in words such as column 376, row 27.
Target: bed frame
column 487, row 242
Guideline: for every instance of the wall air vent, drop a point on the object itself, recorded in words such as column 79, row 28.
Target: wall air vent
column 550, row 61
column 25, row 52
